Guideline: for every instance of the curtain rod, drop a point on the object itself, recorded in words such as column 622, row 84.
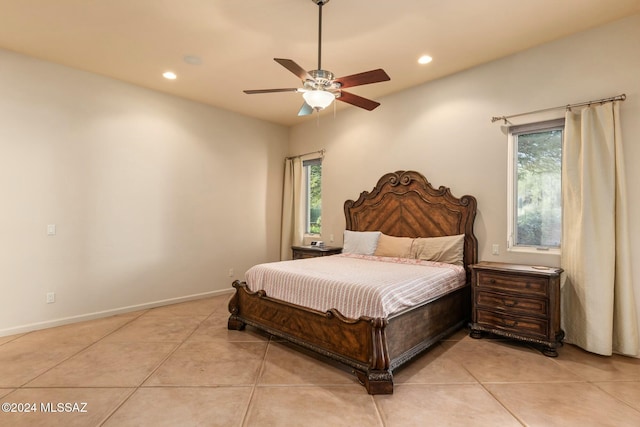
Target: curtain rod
column 568, row 107
column 306, row 154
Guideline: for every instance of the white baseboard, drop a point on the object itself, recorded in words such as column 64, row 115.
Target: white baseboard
column 99, row 314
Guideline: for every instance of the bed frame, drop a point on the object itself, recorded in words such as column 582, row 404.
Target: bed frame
column 402, row 204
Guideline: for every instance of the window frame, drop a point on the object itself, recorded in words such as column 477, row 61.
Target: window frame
column 512, row 180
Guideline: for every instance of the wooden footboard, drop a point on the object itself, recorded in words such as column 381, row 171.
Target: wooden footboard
column 372, row 347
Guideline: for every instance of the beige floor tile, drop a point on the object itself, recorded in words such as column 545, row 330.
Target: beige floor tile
column 443, row 405
column 186, row 359
column 222, row 301
column 175, row 406
column 100, row 402
column 9, row 338
column 210, row 364
column 286, row 365
column 197, row 308
column 20, row 362
column 312, row 406
column 457, row 336
column 156, row 329
column 505, row 361
column 107, row 365
column 4, row 391
column 566, row 405
column 82, row 332
column 214, row 328
column 435, row 366
column 593, row 367
column 628, row 392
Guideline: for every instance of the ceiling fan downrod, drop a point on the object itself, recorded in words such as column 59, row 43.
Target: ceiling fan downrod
column 320, row 3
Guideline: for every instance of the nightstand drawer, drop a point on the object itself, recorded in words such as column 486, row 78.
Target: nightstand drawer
column 515, row 324
column 512, row 304
column 510, row 283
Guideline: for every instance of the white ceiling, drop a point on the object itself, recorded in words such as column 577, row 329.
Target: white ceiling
column 137, row 40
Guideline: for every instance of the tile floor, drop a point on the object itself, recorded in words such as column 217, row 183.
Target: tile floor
column 179, row 366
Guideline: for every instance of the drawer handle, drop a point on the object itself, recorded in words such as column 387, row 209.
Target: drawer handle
column 492, row 281
column 510, row 323
column 509, row 303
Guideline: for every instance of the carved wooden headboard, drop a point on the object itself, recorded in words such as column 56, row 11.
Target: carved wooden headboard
column 404, row 204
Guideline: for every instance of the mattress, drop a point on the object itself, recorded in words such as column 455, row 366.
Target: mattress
column 356, row 285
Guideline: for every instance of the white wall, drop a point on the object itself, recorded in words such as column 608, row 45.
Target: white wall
column 443, row 130
column 155, row 198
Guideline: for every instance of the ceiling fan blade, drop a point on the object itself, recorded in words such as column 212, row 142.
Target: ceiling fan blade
column 305, row 110
column 294, row 68
column 358, row 101
column 373, row 76
column 289, row 89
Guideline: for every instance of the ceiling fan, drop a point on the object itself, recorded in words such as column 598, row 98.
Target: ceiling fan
column 320, row 88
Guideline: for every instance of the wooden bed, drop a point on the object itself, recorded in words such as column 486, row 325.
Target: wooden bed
column 402, row 204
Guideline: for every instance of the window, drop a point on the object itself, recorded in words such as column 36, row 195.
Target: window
column 312, row 170
column 535, row 192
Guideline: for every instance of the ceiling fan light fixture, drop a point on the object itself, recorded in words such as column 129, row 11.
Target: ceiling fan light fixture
column 318, row 99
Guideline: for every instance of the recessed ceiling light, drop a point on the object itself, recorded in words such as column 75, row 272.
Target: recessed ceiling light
column 424, row 59
column 169, row 75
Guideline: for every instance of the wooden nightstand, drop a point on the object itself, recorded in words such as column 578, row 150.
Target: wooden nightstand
column 300, row 252
column 517, row 301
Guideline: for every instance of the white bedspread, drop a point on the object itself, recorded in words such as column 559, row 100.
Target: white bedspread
column 356, row 285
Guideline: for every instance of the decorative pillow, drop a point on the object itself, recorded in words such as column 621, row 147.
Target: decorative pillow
column 360, row 242
column 392, row 246
column 448, row 249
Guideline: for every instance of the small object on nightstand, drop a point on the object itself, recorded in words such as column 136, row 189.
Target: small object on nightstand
column 517, row 301
column 300, row 252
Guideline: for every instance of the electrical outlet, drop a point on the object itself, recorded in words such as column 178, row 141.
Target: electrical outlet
column 51, row 297
column 495, row 250
column 231, row 272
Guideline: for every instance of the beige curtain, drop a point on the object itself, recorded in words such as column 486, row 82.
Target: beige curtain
column 598, row 305
column 292, row 207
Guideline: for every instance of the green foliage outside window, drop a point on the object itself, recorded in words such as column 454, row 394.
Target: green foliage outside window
column 315, row 198
column 539, row 194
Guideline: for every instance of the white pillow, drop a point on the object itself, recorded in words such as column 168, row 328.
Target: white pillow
column 360, row 242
